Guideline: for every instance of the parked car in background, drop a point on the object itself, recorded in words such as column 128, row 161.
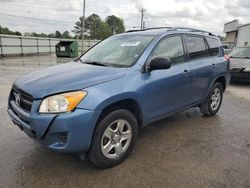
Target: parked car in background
column 228, row 51
column 240, row 64
column 97, row 104
column 224, row 47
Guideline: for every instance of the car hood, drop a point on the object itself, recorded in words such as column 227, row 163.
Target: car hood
column 66, row 77
column 239, row 63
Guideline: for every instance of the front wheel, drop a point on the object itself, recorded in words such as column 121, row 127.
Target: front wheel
column 114, row 139
column 211, row 106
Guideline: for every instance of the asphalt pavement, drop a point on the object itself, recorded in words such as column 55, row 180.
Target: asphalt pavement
column 184, row 150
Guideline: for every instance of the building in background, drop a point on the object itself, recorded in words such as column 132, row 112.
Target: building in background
column 236, row 34
column 231, row 30
column 243, row 35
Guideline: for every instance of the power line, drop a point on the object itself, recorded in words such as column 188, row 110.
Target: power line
column 39, row 6
column 32, row 1
column 32, row 18
column 30, row 5
column 12, row 10
column 48, row 4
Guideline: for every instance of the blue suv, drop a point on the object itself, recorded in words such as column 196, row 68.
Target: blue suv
column 97, row 104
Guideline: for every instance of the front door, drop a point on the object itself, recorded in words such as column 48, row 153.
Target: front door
column 168, row 90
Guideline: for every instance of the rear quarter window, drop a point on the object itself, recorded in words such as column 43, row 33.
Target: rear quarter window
column 214, row 46
column 196, row 47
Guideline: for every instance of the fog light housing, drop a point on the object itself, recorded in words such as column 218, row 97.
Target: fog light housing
column 62, row 138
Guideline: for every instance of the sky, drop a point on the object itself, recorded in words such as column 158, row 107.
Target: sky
column 208, row 15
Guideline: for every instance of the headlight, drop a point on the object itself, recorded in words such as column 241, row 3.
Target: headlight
column 64, row 102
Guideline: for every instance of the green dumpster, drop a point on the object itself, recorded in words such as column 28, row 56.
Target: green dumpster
column 67, row 49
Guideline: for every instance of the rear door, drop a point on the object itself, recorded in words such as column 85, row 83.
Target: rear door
column 217, row 54
column 201, row 64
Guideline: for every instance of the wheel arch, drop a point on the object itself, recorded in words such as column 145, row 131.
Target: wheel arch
column 222, row 80
column 129, row 104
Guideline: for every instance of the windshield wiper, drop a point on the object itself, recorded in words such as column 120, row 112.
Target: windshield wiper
column 93, row 63
column 103, row 64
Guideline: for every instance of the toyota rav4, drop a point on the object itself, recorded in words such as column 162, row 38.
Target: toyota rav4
column 97, row 104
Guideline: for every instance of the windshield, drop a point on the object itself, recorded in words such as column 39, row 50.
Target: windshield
column 241, row 53
column 120, row 51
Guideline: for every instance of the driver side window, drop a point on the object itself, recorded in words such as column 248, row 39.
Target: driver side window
column 170, row 48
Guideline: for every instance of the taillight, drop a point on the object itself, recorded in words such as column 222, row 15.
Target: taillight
column 226, row 58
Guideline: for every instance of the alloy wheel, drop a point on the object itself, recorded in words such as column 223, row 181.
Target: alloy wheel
column 116, row 139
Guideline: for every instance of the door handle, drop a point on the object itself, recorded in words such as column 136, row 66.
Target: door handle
column 185, row 72
column 214, row 66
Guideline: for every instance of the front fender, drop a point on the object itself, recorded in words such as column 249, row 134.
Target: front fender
column 97, row 101
column 120, row 97
column 103, row 95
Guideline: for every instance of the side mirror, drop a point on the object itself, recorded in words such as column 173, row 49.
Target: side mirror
column 159, row 63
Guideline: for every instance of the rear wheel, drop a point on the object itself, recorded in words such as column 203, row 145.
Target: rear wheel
column 114, row 139
column 211, row 106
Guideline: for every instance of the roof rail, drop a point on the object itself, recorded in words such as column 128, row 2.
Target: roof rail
column 152, row 28
column 191, row 30
column 175, row 29
column 135, row 30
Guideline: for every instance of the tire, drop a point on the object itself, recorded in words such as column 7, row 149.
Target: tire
column 109, row 146
column 208, row 108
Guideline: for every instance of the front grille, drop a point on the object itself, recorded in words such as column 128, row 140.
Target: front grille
column 22, row 99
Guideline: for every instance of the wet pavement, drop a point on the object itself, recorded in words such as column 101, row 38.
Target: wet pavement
column 184, row 150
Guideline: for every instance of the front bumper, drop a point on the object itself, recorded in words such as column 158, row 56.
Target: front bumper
column 67, row 132
column 240, row 76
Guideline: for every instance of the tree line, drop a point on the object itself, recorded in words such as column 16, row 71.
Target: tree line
column 7, row 31
column 95, row 28
column 57, row 34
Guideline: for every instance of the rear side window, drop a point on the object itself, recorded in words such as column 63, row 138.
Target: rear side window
column 196, row 47
column 213, row 46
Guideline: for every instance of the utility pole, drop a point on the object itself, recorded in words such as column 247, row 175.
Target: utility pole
column 83, row 23
column 142, row 18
